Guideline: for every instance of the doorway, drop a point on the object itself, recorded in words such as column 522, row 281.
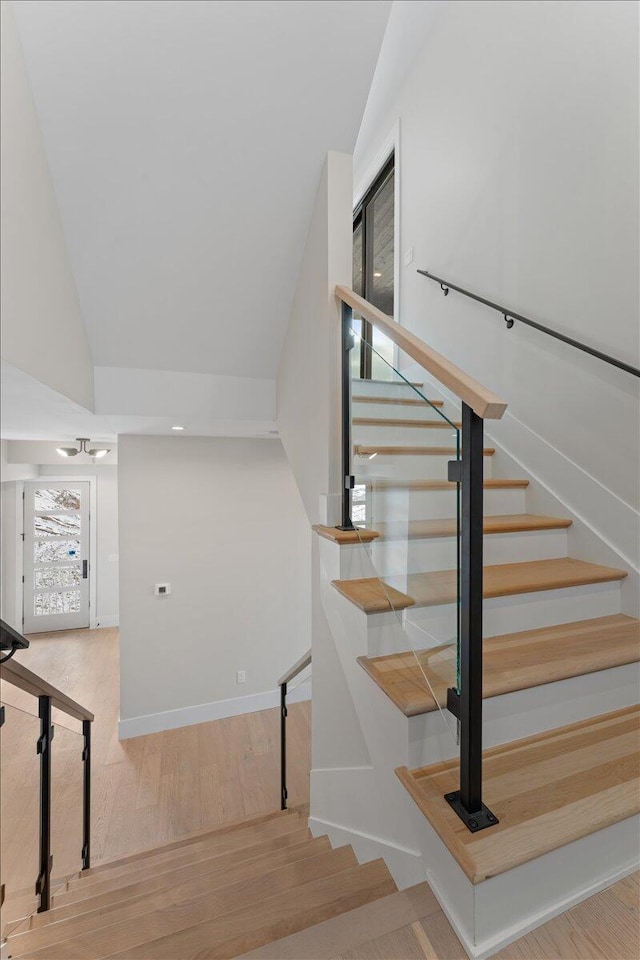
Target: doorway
column 56, row 555
column 373, row 272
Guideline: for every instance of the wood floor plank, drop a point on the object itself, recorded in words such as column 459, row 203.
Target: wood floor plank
column 384, row 450
column 404, row 422
column 402, row 401
column 490, row 483
column 588, row 772
column 414, row 680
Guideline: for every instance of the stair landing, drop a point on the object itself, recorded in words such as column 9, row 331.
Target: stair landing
column 547, row 791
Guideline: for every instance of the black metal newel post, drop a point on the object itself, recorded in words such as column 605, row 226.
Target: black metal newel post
column 345, row 378
column 86, row 805
column 283, row 746
column 43, row 883
column 467, row 704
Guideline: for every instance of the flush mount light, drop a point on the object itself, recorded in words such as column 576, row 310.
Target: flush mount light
column 97, row 452
column 377, row 274
column 177, row 428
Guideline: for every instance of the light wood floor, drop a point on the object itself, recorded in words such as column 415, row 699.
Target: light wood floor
column 152, row 789
column 156, row 788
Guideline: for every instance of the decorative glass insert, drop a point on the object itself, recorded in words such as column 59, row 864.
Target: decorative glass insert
column 47, row 603
column 359, row 503
column 65, row 525
column 56, row 500
column 49, row 551
column 56, row 577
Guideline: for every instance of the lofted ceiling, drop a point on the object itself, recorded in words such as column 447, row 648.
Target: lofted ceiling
column 185, row 140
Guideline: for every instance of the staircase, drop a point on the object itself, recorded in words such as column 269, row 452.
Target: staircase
column 561, row 767
column 217, row 894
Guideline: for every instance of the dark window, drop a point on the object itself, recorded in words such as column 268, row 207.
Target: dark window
column 373, row 269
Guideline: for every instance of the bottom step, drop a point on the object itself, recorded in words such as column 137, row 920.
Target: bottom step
column 547, row 791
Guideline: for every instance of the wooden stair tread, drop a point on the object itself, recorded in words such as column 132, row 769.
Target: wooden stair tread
column 399, row 422
column 166, row 859
column 179, row 887
column 491, row 483
column 547, row 791
column 404, row 401
column 513, row 661
column 331, row 937
column 175, row 913
column 502, row 523
column 279, row 915
column 361, row 535
column 365, row 450
column 500, row 580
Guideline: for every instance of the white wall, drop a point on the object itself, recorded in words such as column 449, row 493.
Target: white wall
column 519, row 180
column 43, row 332
column 10, row 607
column 221, row 520
column 307, row 386
column 107, row 579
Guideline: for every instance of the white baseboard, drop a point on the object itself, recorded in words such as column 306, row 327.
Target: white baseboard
column 204, row 712
column 405, row 865
column 112, row 621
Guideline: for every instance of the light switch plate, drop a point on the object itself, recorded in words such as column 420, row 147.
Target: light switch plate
column 408, row 257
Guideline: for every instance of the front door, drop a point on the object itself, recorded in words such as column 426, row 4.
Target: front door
column 56, row 555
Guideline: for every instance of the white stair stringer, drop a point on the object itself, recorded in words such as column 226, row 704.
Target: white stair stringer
column 369, row 808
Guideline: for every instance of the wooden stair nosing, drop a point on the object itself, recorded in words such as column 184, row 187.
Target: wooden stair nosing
column 490, row 483
column 172, row 887
column 373, row 595
column 400, row 422
column 183, row 907
column 547, row 791
column 403, row 401
column 280, row 915
column 359, row 535
column 498, row 524
column 511, row 662
column 366, row 450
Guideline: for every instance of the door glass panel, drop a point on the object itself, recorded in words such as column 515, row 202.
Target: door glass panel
column 66, row 525
column 381, row 281
column 56, row 577
column 56, row 500
column 66, row 602
column 48, row 551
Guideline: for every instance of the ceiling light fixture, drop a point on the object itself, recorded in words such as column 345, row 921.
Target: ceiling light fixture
column 97, row 452
column 177, row 428
column 377, row 274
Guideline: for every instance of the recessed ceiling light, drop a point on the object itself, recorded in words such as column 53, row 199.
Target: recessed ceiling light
column 377, row 274
column 177, row 428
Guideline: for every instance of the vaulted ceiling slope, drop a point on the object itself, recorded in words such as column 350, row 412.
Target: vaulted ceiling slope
column 185, row 140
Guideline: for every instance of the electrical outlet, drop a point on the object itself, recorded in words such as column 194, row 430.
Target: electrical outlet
column 241, row 676
column 408, row 257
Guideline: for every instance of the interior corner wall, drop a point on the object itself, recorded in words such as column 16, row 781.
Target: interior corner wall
column 519, row 181
column 307, row 385
column 43, row 332
column 222, row 522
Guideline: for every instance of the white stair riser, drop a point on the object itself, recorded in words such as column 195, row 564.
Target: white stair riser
column 431, row 626
column 399, row 411
column 409, row 466
column 406, row 504
column 395, row 557
column 378, row 388
column 428, row 436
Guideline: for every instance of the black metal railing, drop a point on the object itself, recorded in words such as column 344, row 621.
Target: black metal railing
column 464, row 701
column 49, row 697
column 283, row 683
column 510, row 316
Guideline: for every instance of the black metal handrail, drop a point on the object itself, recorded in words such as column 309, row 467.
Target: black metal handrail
column 510, row 316
column 283, row 683
column 48, row 698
